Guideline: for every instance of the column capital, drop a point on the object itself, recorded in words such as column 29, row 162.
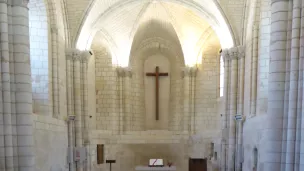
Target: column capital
column 72, row 54
column 241, row 51
column 234, row 53
column 54, row 29
column 190, row 71
column 22, row 3
column 124, row 71
column 85, row 56
column 77, row 55
column 225, row 54
column 5, row 1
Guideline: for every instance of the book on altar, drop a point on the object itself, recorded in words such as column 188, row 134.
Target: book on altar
column 156, row 163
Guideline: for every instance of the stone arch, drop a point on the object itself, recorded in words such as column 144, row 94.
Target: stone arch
column 147, row 44
column 216, row 18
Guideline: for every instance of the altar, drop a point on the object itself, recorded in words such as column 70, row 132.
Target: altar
column 146, row 168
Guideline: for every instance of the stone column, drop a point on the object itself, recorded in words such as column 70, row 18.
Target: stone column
column 120, row 110
column 70, row 102
column 193, row 73
column 254, row 70
column 77, row 96
column 6, row 134
column 300, row 120
column 189, row 75
column 234, row 104
column 294, row 113
column 186, row 105
column 84, row 98
column 124, row 75
column 127, row 99
column 240, row 107
column 55, row 77
column 84, row 82
column 226, row 59
column 271, row 153
column 16, row 141
column 22, row 88
column 232, row 108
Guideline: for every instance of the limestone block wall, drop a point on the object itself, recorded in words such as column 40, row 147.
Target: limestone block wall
column 92, row 93
column 137, row 147
column 253, row 126
column 176, row 84
column 50, row 143
column 106, row 90
column 234, row 11
column 207, row 94
column 252, row 139
column 264, row 57
column 38, row 26
column 58, row 40
column 76, row 10
column 251, row 39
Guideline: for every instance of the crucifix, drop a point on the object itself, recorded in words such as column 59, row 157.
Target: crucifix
column 157, row 74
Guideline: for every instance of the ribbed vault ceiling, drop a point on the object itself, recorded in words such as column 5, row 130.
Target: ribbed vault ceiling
column 120, row 27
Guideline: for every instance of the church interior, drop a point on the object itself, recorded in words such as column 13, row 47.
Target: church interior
column 144, row 85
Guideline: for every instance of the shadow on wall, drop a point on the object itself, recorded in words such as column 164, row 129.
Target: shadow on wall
column 255, row 159
column 56, row 168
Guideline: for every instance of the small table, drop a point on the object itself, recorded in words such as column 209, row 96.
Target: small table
column 145, row 168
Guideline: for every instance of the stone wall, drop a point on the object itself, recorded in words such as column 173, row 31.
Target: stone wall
column 106, row 97
column 39, row 56
column 207, row 88
column 252, row 139
column 234, row 11
column 264, row 57
column 50, row 143
column 254, row 121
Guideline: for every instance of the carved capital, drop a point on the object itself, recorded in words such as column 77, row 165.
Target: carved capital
column 124, row 72
column 225, row 54
column 72, row 54
column 54, row 30
column 190, row 71
column 241, row 51
column 85, row 56
column 233, row 53
column 77, row 55
column 21, row 3
column 5, row 1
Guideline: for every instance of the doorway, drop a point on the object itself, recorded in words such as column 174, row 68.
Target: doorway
column 197, row 164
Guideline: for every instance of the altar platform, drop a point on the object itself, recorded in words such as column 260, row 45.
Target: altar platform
column 146, row 168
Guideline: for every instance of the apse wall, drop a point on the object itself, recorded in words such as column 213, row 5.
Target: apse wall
column 106, row 89
column 207, row 89
column 176, row 84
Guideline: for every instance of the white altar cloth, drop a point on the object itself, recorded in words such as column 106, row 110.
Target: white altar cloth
column 145, row 168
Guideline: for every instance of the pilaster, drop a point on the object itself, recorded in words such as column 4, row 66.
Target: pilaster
column 254, row 70
column 234, row 101
column 189, row 75
column 77, row 65
column 124, row 74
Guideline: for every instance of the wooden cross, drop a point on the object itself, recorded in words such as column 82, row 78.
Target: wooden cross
column 157, row 74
